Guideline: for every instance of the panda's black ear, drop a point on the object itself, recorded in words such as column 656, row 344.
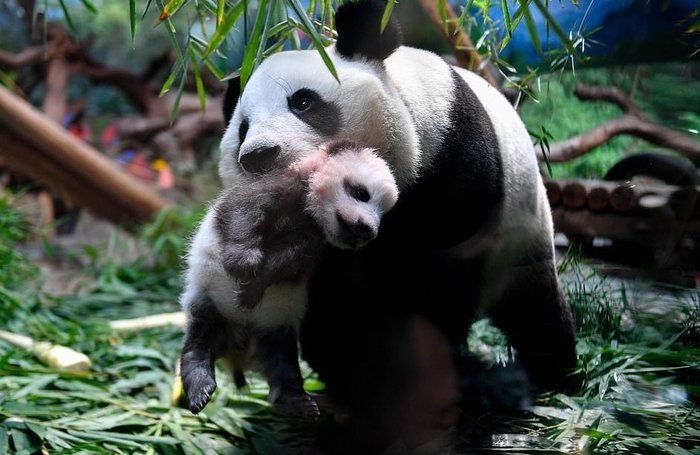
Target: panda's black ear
column 359, row 31
column 233, row 92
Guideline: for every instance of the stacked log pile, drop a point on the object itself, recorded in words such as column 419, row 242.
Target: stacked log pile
column 661, row 219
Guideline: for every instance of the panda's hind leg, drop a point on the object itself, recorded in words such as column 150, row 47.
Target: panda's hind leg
column 277, row 353
column 537, row 320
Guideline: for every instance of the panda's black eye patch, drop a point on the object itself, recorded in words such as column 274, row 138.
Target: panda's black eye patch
column 318, row 113
column 357, row 192
column 242, row 131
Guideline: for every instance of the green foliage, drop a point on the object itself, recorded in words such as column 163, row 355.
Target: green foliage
column 638, row 351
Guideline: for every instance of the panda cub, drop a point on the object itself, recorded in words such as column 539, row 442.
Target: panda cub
column 249, row 261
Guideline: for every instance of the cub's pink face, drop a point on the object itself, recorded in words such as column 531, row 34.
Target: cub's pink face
column 349, row 194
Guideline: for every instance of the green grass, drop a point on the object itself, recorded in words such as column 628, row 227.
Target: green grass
column 662, row 92
column 638, row 350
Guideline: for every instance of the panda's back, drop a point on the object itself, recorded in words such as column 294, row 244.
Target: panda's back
column 442, row 108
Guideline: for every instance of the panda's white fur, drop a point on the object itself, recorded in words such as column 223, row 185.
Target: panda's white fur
column 410, row 95
column 283, row 303
column 339, row 194
column 472, row 229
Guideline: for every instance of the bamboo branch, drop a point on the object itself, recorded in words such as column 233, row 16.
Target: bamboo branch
column 176, row 319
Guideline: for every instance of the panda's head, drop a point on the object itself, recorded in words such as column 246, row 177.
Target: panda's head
column 292, row 104
column 349, row 193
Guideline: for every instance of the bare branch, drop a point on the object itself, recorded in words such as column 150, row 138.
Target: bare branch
column 633, row 122
column 28, row 56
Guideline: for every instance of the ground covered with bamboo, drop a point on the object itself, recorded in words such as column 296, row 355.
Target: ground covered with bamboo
column 638, row 347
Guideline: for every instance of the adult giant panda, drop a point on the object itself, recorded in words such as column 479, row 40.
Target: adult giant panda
column 471, row 232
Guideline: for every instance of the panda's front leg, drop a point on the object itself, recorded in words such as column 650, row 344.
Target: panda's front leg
column 242, row 261
column 204, row 339
column 276, row 351
column 538, row 322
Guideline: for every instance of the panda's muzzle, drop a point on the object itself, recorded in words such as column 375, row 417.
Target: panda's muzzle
column 354, row 234
column 259, row 160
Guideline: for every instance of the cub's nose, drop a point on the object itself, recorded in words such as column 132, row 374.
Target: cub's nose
column 356, row 233
column 259, row 160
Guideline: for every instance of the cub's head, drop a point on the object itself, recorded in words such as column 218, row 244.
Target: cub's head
column 292, row 104
column 349, row 193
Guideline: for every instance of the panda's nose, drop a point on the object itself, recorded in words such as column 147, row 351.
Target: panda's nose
column 355, row 233
column 259, row 160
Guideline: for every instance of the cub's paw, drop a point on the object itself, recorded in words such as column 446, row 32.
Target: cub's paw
column 297, row 405
column 241, row 263
column 199, row 384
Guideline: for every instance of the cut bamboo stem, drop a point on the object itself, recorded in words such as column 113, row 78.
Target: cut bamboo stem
column 176, row 319
column 53, row 355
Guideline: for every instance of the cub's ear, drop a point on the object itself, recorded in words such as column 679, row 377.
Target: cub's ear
column 233, row 92
column 359, row 31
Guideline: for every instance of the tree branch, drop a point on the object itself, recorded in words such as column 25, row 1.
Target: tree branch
column 28, row 56
column 632, row 122
column 462, row 47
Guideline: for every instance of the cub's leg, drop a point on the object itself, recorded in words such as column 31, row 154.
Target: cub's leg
column 277, row 353
column 204, row 341
column 538, row 322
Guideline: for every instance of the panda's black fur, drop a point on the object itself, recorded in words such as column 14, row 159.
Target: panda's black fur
column 460, row 203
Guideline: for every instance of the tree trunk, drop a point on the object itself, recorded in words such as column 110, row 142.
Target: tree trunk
column 40, row 148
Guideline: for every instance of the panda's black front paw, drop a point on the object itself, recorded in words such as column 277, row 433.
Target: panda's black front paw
column 241, row 263
column 297, row 404
column 199, row 384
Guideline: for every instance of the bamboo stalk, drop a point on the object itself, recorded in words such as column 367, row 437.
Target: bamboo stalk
column 176, row 319
column 53, row 355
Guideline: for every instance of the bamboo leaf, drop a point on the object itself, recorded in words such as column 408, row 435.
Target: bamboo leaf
column 253, row 46
column 169, row 9
column 132, row 18
column 167, row 84
column 89, row 6
column 198, row 81
column 223, row 30
column 308, row 27
column 506, row 16
column 170, row 28
column 66, row 15
column 531, row 28
column 442, row 8
column 178, row 96
column 555, row 26
column 3, row 440
column 387, row 14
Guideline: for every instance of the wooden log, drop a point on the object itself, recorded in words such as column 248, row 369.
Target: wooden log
column 598, row 199
column 574, row 195
column 669, row 201
column 623, row 198
column 36, row 146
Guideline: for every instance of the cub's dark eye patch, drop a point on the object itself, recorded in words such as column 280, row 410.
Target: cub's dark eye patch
column 357, row 192
column 318, row 113
column 242, row 131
